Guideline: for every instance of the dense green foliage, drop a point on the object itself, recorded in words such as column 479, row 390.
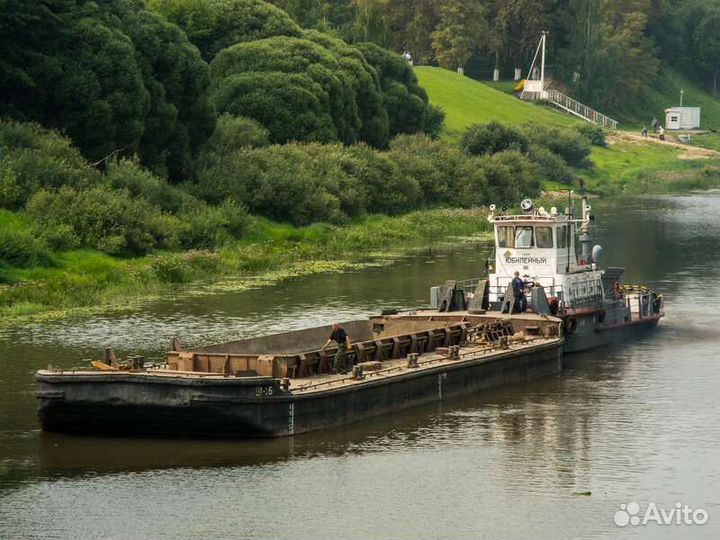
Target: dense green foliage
column 213, row 25
column 68, row 204
column 555, row 152
column 606, row 52
column 405, row 100
column 306, row 183
column 114, row 76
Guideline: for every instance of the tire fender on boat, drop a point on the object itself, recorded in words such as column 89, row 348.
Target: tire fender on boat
column 569, row 325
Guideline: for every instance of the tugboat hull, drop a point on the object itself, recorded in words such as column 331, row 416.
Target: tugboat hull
column 589, row 334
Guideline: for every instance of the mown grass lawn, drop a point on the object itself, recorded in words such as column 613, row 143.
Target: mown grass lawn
column 466, row 102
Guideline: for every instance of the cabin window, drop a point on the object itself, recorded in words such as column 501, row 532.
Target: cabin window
column 523, row 237
column 506, row 237
column 562, row 236
column 543, row 237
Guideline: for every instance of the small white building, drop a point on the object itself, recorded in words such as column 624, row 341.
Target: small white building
column 682, row 118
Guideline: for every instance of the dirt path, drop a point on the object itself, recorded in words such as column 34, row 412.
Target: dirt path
column 690, row 152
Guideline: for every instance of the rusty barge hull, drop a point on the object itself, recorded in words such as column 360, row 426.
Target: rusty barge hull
column 137, row 404
column 441, row 357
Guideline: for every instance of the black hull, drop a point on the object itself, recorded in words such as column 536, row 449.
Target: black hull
column 590, row 334
column 257, row 407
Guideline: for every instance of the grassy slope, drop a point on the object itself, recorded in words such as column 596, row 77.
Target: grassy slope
column 468, row 102
column 623, row 166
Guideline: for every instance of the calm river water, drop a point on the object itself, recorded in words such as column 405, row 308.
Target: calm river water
column 638, row 422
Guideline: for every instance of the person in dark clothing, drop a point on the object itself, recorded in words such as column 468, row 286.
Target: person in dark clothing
column 518, row 285
column 340, row 337
column 654, row 124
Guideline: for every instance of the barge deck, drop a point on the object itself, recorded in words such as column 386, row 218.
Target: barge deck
column 237, row 390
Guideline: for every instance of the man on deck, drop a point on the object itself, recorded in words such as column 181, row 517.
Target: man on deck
column 339, row 336
column 518, row 285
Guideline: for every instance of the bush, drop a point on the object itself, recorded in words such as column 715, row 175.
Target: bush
column 125, row 174
column 104, row 219
column 551, row 166
column 294, row 183
column 511, row 177
column 388, row 189
column 34, row 158
column 211, row 226
column 233, row 132
column 21, row 248
column 445, row 174
column 405, row 100
column 569, row 144
column 483, row 139
column 593, row 133
column 184, row 267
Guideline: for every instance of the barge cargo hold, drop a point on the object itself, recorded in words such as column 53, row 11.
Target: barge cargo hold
column 279, row 385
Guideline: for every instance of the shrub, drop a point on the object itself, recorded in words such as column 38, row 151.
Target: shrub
column 104, row 219
column 233, row 132
column 551, row 166
column 21, row 248
column 184, row 267
column 388, row 189
column 294, row 183
column 568, row 143
column 405, row 100
column 34, row 158
column 445, row 174
column 211, row 226
column 593, row 133
column 511, row 176
column 125, row 174
column 482, row 139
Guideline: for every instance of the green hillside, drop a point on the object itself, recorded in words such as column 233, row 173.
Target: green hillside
column 466, row 102
column 624, row 166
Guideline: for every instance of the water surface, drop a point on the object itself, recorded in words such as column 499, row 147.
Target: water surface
column 634, row 422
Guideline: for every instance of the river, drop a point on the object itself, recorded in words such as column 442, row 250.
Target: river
column 637, row 422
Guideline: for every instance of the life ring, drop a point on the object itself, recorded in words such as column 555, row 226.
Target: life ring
column 569, row 325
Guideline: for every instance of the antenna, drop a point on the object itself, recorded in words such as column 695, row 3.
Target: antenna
column 543, row 39
column 568, row 233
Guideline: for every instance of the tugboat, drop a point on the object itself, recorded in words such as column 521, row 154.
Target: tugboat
column 562, row 276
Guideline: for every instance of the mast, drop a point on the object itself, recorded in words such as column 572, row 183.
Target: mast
column 542, row 61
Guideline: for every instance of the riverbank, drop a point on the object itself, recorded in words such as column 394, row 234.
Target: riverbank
column 83, row 282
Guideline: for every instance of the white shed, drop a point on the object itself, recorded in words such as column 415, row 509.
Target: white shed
column 682, row 118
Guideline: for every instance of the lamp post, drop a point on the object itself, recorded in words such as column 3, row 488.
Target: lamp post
column 681, row 96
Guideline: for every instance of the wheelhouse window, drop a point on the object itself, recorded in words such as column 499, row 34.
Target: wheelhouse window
column 562, row 236
column 506, row 237
column 523, row 237
column 543, row 237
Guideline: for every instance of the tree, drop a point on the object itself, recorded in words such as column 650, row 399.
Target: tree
column 315, row 67
column 179, row 118
column 214, row 25
column 373, row 113
column 707, row 45
column 371, row 22
column 405, row 100
column 609, row 58
column 98, row 99
column 462, row 29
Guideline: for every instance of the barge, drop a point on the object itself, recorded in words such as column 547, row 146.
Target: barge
column 281, row 384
